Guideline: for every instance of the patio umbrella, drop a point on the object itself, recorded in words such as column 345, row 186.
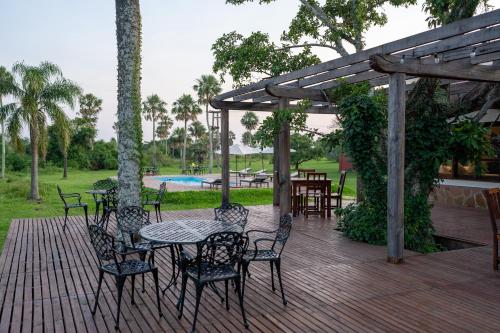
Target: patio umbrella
column 240, row 150
column 269, row 150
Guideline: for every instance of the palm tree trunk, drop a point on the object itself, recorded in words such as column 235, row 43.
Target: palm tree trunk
column 65, row 165
column 184, row 146
column 128, row 35
column 154, row 144
column 166, row 147
column 3, row 144
column 210, row 144
column 3, row 149
column 34, row 164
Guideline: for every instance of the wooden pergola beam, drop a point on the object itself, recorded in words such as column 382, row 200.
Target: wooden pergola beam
column 297, row 93
column 420, row 68
column 268, row 107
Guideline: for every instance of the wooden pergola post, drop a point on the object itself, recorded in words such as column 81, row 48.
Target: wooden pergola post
column 225, row 155
column 395, row 168
column 284, row 164
column 276, row 165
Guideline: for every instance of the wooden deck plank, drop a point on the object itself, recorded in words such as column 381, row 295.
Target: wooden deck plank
column 48, row 279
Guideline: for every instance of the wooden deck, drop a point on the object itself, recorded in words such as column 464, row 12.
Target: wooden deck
column 48, row 279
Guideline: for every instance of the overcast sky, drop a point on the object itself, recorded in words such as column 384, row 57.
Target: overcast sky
column 79, row 36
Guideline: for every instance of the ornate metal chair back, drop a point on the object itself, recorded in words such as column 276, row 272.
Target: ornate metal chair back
column 59, row 191
column 130, row 220
column 219, row 250
column 161, row 192
column 233, row 213
column 283, row 233
column 103, row 243
column 104, row 184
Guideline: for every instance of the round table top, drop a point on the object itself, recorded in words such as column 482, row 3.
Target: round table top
column 102, row 192
column 189, row 231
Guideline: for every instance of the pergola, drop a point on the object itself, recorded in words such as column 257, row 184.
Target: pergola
column 460, row 53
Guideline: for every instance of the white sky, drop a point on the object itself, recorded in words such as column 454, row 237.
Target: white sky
column 79, row 36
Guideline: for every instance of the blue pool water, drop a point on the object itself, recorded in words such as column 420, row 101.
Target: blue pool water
column 183, row 180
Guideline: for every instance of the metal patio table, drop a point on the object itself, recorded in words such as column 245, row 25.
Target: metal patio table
column 184, row 232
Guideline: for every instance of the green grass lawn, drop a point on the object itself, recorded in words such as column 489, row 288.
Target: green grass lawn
column 14, row 190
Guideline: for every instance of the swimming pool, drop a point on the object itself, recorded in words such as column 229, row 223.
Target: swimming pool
column 183, row 180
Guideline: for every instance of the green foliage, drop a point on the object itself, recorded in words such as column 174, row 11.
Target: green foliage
column 363, row 137
column 469, row 142
column 241, row 56
column 271, row 126
column 90, row 106
column 250, row 121
column 334, row 22
column 305, row 148
column 443, row 12
column 104, row 156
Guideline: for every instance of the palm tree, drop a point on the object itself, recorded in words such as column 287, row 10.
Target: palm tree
column 208, row 87
column 153, row 108
column 163, row 129
column 128, row 36
column 250, row 121
column 90, row 106
column 197, row 130
column 6, row 87
column 41, row 91
column 185, row 109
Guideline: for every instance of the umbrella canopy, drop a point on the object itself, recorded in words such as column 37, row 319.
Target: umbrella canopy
column 240, row 150
column 270, row 150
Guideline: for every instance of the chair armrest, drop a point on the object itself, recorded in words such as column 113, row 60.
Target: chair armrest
column 256, row 246
column 71, row 195
column 260, row 231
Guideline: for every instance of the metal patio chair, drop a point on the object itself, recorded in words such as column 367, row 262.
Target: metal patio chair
column 105, row 185
column 233, row 213
column 274, row 243
column 108, row 252
column 218, row 258
column 154, row 198
column 72, row 200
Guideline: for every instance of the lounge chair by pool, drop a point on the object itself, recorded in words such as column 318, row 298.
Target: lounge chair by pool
column 212, row 183
column 258, row 180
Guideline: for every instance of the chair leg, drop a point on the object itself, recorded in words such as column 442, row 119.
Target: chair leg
column 159, row 212
column 226, row 283
column 133, row 289
column 272, row 275
column 101, row 275
column 143, row 258
column 495, row 254
column 157, row 289
column 85, row 209
column 120, row 282
column 278, row 269
column 180, row 301
column 65, row 218
column 240, row 296
column 96, row 215
column 199, row 290
column 244, row 272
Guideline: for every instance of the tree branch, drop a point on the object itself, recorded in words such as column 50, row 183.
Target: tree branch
column 320, row 14
column 305, row 45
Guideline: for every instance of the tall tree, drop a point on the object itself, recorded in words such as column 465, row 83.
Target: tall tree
column 185, row 109
column 6, row 87
column 41, row 92
column 250, row 121
column 128, row 35
column 90, row 106
column 163, row 129
column 197, row 130
column 154, row 108
column 335, row 24
column 208, row 87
